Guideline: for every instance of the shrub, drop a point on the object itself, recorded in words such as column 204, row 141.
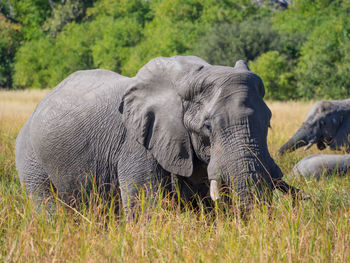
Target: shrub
column 273, row 69
column 224, row 44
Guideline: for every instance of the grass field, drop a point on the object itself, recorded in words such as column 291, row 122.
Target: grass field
column 317, row 230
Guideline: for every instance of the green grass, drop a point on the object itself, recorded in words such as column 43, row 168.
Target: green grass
column 317, row 230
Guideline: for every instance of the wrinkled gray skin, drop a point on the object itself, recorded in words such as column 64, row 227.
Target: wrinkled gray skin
column 327, row 123
column 318, row 165
column 178, row 120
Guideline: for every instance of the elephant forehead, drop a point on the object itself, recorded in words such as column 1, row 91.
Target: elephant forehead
column 207, row 81
column 325, row 109
column 320, row 109
column 173, row 68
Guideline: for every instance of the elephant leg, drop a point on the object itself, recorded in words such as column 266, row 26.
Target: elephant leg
column 37, row 183
column 140, row 177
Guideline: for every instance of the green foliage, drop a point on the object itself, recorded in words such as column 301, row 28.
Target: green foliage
column 177, row 26
column 321, row 59
column 116, row 38
column 215, row 12
column 323, row 69
column 273, row 70
column 302, row 16
column 173, row 30
column 9, row 35
column 32, row 68
column 300, row 52
column 73, row 52
column 31, row 14
column 225, row 43
column 19, row 20
column 62, row 15
column 103, row 41
column 44, row 63
column 116, row 28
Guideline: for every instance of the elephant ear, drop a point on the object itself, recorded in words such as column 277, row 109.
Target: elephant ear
column 153, row 114
column 342, row 138
column 260, row 87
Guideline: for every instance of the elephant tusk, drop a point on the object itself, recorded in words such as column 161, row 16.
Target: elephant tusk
column 308, row 146
column 214, row 190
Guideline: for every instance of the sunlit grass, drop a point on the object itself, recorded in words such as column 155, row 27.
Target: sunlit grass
column 316, row 231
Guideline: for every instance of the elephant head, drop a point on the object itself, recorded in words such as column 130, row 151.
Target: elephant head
column 327, row 123
column 182, row 108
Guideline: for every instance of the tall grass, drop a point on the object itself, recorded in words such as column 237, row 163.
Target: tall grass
column 315, row 231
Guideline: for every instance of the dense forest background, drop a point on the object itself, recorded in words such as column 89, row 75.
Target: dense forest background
column 301, row 51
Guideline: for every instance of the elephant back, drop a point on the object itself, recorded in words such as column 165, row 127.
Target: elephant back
column 78, row 88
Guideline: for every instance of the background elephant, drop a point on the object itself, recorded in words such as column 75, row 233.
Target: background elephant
column 178, row 116
column 327, row 123
column 318, row 165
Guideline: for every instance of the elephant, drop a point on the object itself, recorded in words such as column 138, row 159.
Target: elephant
column 178, row 120
column 318, row 165
column 327, row 124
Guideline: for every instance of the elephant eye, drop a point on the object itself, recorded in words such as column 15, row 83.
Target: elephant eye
column 206, row 128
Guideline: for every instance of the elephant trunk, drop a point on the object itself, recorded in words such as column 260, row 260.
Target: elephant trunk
column 299, row 139
column 243, row 165
column 254, row 175
column 249, row 176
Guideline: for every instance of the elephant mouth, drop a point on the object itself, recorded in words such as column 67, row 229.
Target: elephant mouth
column 328, row 141
column 321, row 145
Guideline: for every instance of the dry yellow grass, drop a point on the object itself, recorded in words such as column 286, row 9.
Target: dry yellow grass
column 316, row 231
column 286, row 119
column 16, row 106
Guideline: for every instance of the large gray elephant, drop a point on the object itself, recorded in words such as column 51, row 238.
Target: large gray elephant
column 179, row 118
column 318, row 165
column 327, row 123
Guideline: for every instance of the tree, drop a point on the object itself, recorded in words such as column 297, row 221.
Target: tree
column 224, row 44
column 172, row 31
column 30, row 14
column 32, row 68
column 102, row 41
column 273, row 70
column 116, row 27
column 65, row 12
column 323, row 68
column 9, row 40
